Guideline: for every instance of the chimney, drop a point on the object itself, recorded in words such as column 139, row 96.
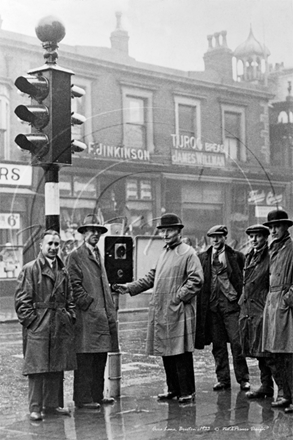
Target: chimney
column 119, row 38
column 218, row 57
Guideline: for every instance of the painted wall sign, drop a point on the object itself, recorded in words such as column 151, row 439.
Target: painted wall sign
column 112, row 152
column 192, row 151
column 9, row 221
column 257, row 197
column 15, row 175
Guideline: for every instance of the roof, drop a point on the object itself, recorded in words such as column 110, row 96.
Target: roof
column 251, row 47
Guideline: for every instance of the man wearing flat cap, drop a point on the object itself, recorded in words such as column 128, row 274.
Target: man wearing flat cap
column 175, row 280
column 252, row 302
column 278, row 312
column 218, row 309
column 95, row 329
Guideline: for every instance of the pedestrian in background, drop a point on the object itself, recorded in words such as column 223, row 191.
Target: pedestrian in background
column 96, row 328
column 218, row 309
column 45, row 308
column 278, row 312
column 252, row 302
column 175, row 280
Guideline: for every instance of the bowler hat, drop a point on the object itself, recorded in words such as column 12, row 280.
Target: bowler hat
column 218, row 230
column 258, row 228
column 169, row 221
column 91, row 221
column 278, row 216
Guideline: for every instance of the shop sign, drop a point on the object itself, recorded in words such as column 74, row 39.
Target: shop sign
column 9, row 221
column 268, row 198
column 16, row 175
column 192, row 151
column 118, row 153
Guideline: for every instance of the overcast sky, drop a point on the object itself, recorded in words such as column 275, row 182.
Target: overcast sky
column 170, row 33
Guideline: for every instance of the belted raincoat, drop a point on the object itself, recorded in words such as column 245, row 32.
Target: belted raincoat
column 45, row 308
column 176, row 280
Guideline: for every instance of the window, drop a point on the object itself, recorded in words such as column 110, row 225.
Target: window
column 233, row 123
column 187, row 121
column 138, row 189
column 137, row 118
column 4, row 123
column 84, row 187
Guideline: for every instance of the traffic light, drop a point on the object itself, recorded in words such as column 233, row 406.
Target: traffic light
column 77, row 119
column 119, row 258
column 49, row 115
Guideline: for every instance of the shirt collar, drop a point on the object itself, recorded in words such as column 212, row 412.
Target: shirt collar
column 173, row 245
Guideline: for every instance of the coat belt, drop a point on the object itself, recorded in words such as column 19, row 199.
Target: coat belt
column 48, row 305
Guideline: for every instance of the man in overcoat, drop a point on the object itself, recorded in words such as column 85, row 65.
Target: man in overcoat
column 45, row 308
column 252, row 302
column 95, row 328
column 218, row 309
column 278, row 312
column 175, row 280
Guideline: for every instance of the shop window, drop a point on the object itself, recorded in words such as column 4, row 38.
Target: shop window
column 138, row 189
column 84, row 187
column 187, row 121
column 137, row 119
column 65, row 186
column 4, row 125
column 233, row 123
column 11, row 249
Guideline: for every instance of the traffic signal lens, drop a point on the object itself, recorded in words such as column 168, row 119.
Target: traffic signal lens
column 38, row 116
column 37, row 87
column 37, row 144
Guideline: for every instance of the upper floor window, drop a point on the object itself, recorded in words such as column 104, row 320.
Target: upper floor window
column 187, row 120
column 233, row 123
column 4, row 123
column 137, row 118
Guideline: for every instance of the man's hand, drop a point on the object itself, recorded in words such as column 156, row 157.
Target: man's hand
column 120, row 288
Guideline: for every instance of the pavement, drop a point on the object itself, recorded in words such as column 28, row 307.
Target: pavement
column 137, row 414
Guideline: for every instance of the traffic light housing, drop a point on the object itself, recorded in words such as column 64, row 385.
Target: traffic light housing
column 119, row 258
column 49, row 115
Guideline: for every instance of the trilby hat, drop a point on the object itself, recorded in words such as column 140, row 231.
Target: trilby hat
column 218, row 230
column 258, row 228
column 170, row 220
column 91, row 221
column 278, row 216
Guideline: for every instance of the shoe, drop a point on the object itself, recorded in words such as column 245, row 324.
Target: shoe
column 259, row 394
column 56, row 411
column 245, row 386
column 221, row 386
column 187, row 399
column 281, row 403
column 107, row 400
column 35, row 415
column 91, row 405
column 167, row 396
column 289, row 409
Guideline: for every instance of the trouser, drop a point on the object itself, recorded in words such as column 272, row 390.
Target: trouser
column 88, row 384
column 180, row 374
column 43, row 390
column 225, row 327
column 270, row 368
column 286, row 363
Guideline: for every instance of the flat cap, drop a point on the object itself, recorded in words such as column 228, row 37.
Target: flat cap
column 218, row 230
column 258, row 228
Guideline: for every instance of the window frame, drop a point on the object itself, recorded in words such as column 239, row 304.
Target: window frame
column 230, row 108
column 190, row 102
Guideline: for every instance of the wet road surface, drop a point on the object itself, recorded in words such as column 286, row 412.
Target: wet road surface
column 137, row 414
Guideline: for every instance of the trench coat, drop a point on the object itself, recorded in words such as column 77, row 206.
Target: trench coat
column 95, row 328
column 44, row 306
column 235, row 264
column 252, row 302
column 176, row 280
column 278, row 312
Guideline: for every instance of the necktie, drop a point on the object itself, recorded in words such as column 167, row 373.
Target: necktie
column 97, row 256
column 54, row 267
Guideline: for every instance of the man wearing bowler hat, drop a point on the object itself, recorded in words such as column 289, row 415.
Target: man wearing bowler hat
column 95, row 328
column 252, row 302
column 218, row 309
column 176, row 280
column 278, row 312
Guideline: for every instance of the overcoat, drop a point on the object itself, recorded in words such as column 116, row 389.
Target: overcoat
column 176, row 280
column 252, row 301
column 44, row 306
column 278, row 312
column 95, row 328
column 235, row 264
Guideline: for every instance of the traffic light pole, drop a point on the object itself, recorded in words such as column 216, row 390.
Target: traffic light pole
column 52, row 199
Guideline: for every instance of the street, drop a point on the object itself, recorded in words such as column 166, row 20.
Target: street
column 137, row 414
